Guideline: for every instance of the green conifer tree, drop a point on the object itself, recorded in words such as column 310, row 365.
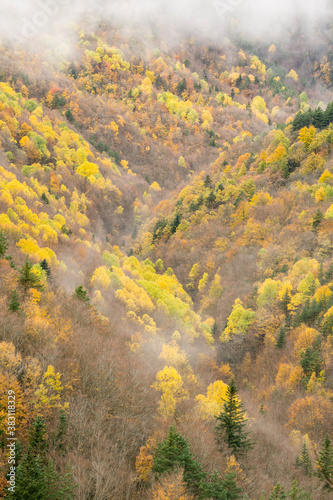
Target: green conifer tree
column 61, row 432
column 213, row 487
column 27, row 278
column 231, row 422
column 281, row 338
column 14, row 304
column 296, row 493
column 284, row 302
column 45, row 266
column 229, row 483
column 278, row 493
column 81, row 294
column 36, row 477
column 325, row 462
column 3, row 245
column 304, row 460
column 175, row 451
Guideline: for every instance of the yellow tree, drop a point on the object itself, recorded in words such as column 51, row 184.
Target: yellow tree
column 170, row 383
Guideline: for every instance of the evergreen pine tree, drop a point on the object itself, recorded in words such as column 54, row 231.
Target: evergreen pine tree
column 281, row 338
column 61, row 432
column 213, row 487
column 27, row 278
column 327, row 326
column 325, row 462
column 321, row 277
column 215, row 332
column 229, row 483
column 288, row 323
column 232, row 420
column 69, row 115
column 3, row 245
column 174, row 451
column 285, row 301
column 175, row 224
column 318, row 118
column 296, row 493
column 81, row 294
column 14, row 304
column 45, row 199
column 37, row 441
column 317, row 220
column 311, row 359
column 45, row 266
column 278, row 493
column 304, row 460
column 36, row 478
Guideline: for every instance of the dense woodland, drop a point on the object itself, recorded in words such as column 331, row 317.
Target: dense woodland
column 166, row 267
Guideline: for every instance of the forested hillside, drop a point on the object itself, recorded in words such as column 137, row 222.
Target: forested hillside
column 166, row 265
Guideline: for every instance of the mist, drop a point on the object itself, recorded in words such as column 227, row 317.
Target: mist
column 26, row 20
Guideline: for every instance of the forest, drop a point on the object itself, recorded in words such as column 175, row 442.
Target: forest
column 166, row 262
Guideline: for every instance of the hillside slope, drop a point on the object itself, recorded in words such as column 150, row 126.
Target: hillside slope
column 166, row 226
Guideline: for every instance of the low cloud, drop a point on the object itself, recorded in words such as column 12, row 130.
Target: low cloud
column 26, row 20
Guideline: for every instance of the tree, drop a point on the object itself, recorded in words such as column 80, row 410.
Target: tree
column 285, row 301
column 304, row 460
column 281, row 338
column 45, row 199
column 36, row 478
column 232, row 420
column 325, row 462
column 27, row 277
column 3, row 245
column 278, row 493
column 14, row 304
column 175, row 223
column 81, row 294
column 175, row 451
column 61, row 431
column 317, row 220
column 45, row 266
column 69, row 115
column 296, row 493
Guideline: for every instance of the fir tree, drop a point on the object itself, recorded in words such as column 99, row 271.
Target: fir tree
column 327, row 326
column 174, row 451
column 69, row 115
column 213, row 487
column 27, row 278
column 278, row 493
column 3, row 245
column 44, row 265
column 229, row 483
column 37, row 441
column 208, row 181
column 281, row 338
column 311, row 359
column 317, row 220
column 321, row 277
column 232, row 420
column 45, row 199
column 215, row 332
column 325, row 462
column 304, row 460
column 61, row 432
column 14, row 304
column 81, row 294
column 296, row 493
column 36, row 478
column 175, row 224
